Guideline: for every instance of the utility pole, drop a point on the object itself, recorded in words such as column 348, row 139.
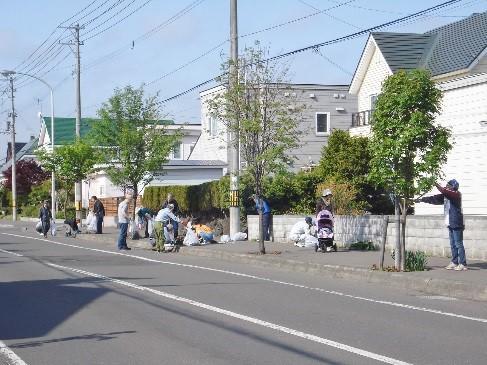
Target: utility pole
column 76, row 43
column 14, row 172
column 234, row 139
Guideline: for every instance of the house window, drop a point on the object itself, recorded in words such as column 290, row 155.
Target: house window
column 322, row 124
column 176, row 152
column 213, row 126
column 101, row 191
column 373, row 100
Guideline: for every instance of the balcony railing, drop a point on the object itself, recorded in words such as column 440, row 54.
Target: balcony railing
column 362, row 118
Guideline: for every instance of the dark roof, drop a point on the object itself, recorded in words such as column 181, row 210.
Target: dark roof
column 446, row 49
column 458, row 44
column 65, row 128
column 403, row 51
column 28, row 149
column 18, row 147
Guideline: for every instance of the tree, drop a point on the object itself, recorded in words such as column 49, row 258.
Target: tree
column 28, row 173
column 258, row 116
column 133, row 142
column 346, row 160
column 408, row 147
column 70, row 163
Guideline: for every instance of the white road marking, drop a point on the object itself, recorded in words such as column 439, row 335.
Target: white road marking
column 11, row 356
column 11, row 253
column 332, row 292
column 279, row 328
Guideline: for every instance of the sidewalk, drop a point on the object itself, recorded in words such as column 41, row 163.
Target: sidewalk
column 344, row 264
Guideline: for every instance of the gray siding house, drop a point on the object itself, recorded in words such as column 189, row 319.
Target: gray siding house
column 326, row 107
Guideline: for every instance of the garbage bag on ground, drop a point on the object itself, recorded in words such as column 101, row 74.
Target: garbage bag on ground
column 225, row 238
column 239, row 236
column 191, row 239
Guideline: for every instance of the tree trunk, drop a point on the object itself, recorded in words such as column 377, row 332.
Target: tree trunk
column 397, row 249
column 261, row 227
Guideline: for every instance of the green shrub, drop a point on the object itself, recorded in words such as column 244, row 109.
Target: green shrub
column 363, row 246
column 415, row 260
column 30, row 211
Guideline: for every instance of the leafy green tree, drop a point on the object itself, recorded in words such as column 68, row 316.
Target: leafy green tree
column 408, row 147
column 346, row 159
column 133, row 142
column 71, row 163
column 254, row 110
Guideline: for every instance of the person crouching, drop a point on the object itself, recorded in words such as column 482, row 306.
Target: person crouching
column 162, row 228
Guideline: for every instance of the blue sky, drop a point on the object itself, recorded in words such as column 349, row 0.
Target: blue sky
column 119, row 56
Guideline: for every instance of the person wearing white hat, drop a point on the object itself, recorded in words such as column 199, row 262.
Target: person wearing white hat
column 324, row 202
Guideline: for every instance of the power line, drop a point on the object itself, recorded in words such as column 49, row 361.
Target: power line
column 296, row 19
column 144, row 36
column 334, row 41
column 116, row 23
column 329, row 15
column 54, row 31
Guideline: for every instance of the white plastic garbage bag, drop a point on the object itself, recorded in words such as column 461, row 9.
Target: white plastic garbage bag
column 239, row 236
column 150, row 227
column 225, row 238
column 53, row 228
column 191, row 239
column 310, row 240
column 91, row 222
column 39, row 227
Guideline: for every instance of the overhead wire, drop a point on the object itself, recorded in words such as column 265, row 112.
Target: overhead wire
column 322, row 44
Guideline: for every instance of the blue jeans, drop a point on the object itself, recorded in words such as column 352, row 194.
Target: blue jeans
column 122, row 238
column 206, row 236
column 456, row 245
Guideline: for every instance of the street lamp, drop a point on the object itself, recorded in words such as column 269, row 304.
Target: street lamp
column 9, row 74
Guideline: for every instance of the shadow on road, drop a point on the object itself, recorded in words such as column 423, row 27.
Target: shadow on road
column 94, row 336
column 33, row 308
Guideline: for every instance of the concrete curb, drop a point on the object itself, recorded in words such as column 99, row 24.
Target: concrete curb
column 407, row 281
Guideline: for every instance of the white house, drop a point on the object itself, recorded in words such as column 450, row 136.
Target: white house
column 178, row 170
column 456, row 56
column 326, row 107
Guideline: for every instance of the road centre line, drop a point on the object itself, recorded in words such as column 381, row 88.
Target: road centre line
column 10, row 355
column 331, row 292
column 276, row 327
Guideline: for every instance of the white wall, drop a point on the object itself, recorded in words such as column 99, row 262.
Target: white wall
column 463, row 109
column 210, row 147
column 376, row 73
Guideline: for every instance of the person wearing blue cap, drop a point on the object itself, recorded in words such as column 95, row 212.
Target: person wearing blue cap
column 451, row 198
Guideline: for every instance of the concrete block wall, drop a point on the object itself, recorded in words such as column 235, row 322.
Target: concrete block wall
column 425, row 233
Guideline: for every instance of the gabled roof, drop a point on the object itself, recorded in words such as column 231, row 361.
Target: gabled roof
column 403, row 51
column 454, row 47
column 18, row 147
column 458, row 44
column 65, row 128
column 27, row 150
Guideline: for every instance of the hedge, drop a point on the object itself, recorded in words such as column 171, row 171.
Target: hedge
column 192, row 198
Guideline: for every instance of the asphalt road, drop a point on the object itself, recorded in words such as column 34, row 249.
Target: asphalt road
column 74, row 302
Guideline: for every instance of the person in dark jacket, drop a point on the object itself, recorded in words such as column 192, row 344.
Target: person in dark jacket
column 170, row 200
column 99, row 211
column 266, row 215
column 145, row 214
column 451, row 198
column 45, row 216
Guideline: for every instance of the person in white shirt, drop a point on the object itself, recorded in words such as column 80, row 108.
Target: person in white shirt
column 163, row 231
column 123, row 222
column 300, row 230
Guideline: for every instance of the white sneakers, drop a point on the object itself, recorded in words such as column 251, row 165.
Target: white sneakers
column 452, row 266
